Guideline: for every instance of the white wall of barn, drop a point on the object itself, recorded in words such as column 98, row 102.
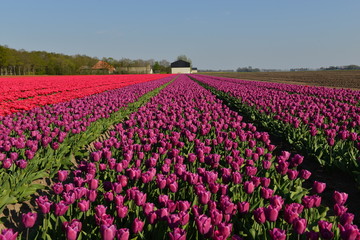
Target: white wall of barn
column 180, row 70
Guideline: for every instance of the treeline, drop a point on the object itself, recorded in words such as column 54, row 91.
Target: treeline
column 22, row 62
column 348, row 67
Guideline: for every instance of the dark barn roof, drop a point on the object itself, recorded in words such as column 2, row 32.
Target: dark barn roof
column 180, row 64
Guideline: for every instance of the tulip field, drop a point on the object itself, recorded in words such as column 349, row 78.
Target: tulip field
column 168, row 157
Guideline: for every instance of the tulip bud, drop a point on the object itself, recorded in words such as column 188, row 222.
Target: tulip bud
column 319, row 187
column 137, row 226
column 340, row 197
column 108, row 232
column 259, row 215
column 277, row 234
column 72, row 229
column 62, row 175
column 203, row 224
column 84, row 205
column 177, row 234
column 123, row 234
column 299, row 225
column 29, row 219
column 8, row 234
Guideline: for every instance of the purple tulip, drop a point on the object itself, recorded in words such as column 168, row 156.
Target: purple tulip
column 216, row 217
column 122, row 211
column 259, row 215
column 305, row 174
column 29, row 219
column 72, row 229
column 137, row 226
column 339, row 209
column 271, row 213
column 61, row 208
column 184, row 217
column 92, row 194
column 44, row 204
column 21, row 163
column 100, row 210
column 123, row 234
column 177, row 234
column 203, row 224
column 249, row 187
column 84, row 205
column 312, row 235
column 277, row 234
column 346, row 218
column 340, row 197
column 108, row 232
column 299, row 225
column 93, row 184
column 62, row 175
column 266, row 193
column 225, row 229
column 8, row 234
column 325, row 229
column 7, row 163
column 349, row 232
column 243, row 207
column 318, row 187
column 204, row 197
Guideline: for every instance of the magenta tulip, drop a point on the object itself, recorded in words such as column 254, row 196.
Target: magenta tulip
column 29, row 219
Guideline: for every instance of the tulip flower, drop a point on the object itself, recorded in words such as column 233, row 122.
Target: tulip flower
column 29, row 219
column 108, row 232
column 61, row 208
column 44, row 204
column 177, row 234
column 299, row 225
column 84, row 205
column 137, row 226
column 259, row 215
column 72, row 229
column 249, row 187
column 123, row 234
column 319, row 187
column 271, row 213
column 8, row 234
column 203, row 224
column 340, row 197
column 277, row 234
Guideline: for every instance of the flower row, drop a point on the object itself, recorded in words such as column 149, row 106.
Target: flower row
column 325, row 127
column 25, row 93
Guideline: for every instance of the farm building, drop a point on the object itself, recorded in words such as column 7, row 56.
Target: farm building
column 103, row 67
column 180, row 66
column 194, row 70
column 135, row 70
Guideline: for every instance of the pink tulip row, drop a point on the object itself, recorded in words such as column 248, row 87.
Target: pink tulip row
column 186, row 166
column 326, row 122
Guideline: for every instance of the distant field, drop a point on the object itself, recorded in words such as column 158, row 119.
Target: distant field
column 339, row 79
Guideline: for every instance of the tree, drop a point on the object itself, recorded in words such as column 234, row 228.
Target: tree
column 156, row 68
column 185, row 58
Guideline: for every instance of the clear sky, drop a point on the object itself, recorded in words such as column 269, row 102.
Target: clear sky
column 221, row 34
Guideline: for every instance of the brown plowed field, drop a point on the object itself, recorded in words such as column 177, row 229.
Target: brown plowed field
column 338, row 79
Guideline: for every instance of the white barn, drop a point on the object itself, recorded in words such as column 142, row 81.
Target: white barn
column 180, row 66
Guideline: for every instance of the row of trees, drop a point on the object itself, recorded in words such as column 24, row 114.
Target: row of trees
column 22, row 62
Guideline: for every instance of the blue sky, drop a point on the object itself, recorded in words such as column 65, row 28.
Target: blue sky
column 225, row 34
